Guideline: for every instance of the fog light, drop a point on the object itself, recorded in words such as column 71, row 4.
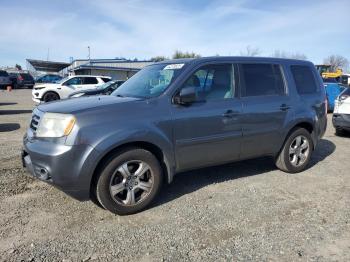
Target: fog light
column 41, row 173
column 36, row 94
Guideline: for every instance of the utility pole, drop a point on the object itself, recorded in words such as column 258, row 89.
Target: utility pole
column 48, row 54
column 89, row 53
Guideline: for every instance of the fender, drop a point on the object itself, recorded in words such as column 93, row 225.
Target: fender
column 140, row 135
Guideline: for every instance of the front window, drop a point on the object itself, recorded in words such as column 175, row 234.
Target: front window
column 74, row 81
column 212, row 82
column 151, row 81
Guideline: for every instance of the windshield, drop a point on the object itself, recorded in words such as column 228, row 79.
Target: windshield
column 151, row 81
column 105, row 85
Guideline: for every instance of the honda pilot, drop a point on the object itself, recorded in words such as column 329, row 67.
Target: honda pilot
column 175, row 116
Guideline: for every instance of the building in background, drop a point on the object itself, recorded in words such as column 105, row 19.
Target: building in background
column 38, row 67
column 118, row 69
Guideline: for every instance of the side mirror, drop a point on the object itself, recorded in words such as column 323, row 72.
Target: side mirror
column 186, row 96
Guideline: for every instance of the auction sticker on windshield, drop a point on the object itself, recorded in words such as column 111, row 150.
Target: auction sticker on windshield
column 173, row 66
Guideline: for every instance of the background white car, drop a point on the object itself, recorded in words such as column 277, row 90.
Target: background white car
column 341, row 114
column 62, row 89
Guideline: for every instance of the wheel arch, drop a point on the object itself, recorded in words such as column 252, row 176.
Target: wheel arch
column 151, row 147
column 50, row 91
column 306, row 124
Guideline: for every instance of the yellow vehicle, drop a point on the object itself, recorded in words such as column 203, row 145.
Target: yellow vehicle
column 325, row 71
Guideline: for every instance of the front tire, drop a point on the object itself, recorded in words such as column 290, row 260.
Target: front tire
column 129, row 181
column 296, row 152
column 50, row 96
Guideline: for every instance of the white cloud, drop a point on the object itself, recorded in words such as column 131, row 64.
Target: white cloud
column 144, row 29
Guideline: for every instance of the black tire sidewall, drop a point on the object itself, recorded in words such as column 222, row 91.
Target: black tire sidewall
column 291, row 168
column 103, row 182
column 45, row 95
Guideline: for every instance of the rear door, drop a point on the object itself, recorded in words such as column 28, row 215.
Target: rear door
column 266, row 106
column 89, row 83
column 208, row 131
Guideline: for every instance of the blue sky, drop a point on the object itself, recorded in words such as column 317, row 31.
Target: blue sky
column 142, row 29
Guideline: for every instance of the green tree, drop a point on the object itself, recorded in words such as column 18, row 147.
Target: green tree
column 179, row 54
column 158, row 58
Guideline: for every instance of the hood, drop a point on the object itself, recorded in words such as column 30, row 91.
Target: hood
column 72, row 105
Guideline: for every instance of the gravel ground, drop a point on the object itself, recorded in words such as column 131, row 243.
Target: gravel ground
column 243, row 211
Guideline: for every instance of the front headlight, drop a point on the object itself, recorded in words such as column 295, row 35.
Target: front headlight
column 55, row 125
column 39, row 87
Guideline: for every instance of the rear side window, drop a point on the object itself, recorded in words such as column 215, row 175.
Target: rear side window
column 105, row 79
column 3, row 73
column 261, row 80
column 90, row 81
column 304, row 79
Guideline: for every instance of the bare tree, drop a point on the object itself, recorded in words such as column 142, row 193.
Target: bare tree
column 284, row 54
column 336, row 61
column 251, row 51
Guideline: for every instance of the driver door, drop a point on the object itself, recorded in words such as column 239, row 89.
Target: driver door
column 208, row 131
column 70, row 86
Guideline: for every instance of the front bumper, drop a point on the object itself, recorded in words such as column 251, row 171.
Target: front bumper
column 69, row 168
column 341, row 120
column 36, row 100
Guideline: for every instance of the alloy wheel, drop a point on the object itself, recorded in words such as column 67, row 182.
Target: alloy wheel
column 131, row 182
column 299, row 151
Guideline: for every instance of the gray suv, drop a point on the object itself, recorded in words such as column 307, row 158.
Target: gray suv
column 175, row 116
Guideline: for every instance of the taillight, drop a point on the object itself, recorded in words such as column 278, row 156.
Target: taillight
column 20, row 78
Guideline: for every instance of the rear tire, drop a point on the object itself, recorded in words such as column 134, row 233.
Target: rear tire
column 296, row 152
column 129, row 181
column 339, row 131
column 50, row 96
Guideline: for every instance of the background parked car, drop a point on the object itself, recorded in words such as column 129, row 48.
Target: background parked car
column 20, row 80
column 54, row 91
column 341, row 114
column 48, row 78
column 333, row 90
column 345, row 79
column 105, row 89
column 4, row 79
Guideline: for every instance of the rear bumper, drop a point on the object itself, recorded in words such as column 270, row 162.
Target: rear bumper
column 69, row 168
column 341, row 121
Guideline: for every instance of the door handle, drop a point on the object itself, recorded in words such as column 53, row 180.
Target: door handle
column 284, row 107
column 229, row 114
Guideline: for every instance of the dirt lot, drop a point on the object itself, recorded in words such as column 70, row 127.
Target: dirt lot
column 242, row 211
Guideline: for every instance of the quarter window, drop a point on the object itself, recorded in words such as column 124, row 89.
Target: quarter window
column 212, row 82
column 262, row 80
column 304, row 79
column 105, row 79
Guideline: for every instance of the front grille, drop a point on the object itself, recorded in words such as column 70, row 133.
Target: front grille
column 34, row 122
